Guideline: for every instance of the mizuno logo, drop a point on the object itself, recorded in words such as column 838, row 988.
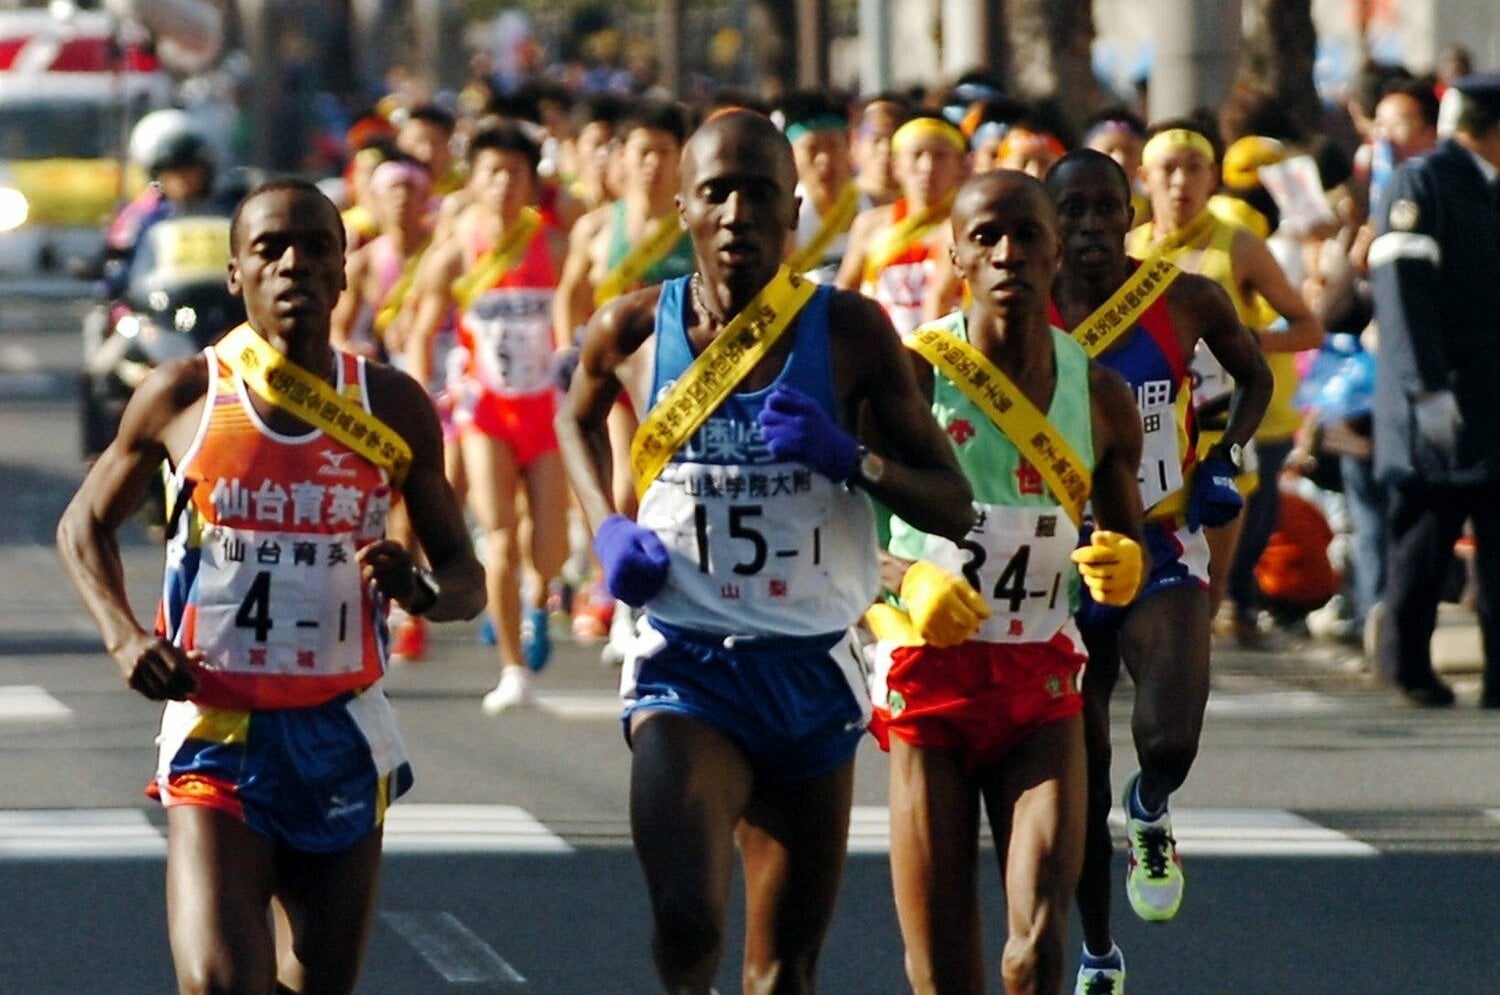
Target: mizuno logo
column 333, row 464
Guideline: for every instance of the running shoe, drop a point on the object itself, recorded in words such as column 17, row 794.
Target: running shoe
column 515, row 690
column 1101, row 975
column 1153, row 873
column 408, row 638
column 593, row 609
column 536, row 641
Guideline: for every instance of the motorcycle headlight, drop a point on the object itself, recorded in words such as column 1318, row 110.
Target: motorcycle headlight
column 14, row 210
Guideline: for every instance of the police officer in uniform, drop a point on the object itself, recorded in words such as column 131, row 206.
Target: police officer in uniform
column 1435, row 265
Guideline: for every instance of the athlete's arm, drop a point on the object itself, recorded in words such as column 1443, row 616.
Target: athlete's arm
column 574, row 301
column 86, row 534
column 431, row 505
column 432, row 299
column 614, row 334
column 1255, row 266
column 922, row 482
column 1117, row 438
column 852, row 268
column 1202, row 311
column 346, row 310
column 557, row 252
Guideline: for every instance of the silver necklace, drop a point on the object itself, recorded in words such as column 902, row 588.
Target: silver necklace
column 695, row 287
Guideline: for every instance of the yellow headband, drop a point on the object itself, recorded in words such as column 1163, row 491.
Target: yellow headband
column 923, row 127
column 1174, row 139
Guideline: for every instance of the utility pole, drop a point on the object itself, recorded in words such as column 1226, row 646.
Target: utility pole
column 812, row 43
column 1197, row 54
column 669, row 46
column 973, row 36
column 875, row 46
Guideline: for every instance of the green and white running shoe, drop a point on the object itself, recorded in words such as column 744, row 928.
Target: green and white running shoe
column 1153, row 873
column 1101, row 975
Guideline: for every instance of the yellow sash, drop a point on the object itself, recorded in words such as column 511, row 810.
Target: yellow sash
column 710, row 378
column 315, row 401
column 1118, row 315
column 835, row 223
column 1174, row 245
column 390, row 307
column 901, row 235
column 661, row 238
column 499, row 260
column 1012, row 413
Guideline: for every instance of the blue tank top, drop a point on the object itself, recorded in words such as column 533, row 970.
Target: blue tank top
column 758, row 546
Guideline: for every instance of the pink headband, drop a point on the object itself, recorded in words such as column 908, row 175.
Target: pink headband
column 392, row 172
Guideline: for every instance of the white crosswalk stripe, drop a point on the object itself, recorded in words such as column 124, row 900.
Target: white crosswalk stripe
column 60, row 834
column 414, row 828
column 52, row 834
column 1241, row 832
column 30, row 703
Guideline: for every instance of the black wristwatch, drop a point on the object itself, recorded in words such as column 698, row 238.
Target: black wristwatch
column 1233, row 452
column 424, row 592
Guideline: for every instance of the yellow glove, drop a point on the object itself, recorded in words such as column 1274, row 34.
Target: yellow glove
column 890, row 624
column 1111, row 566
column 944, row 609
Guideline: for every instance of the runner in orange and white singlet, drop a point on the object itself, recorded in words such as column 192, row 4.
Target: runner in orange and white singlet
column 893, row 250
column 499, row 272
column 278, row 753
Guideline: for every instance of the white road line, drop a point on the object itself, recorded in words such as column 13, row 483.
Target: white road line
column 451, row 949
column 870, row 829
column 412, row 828
column 1287, row 702
column 30, row 702
column 580, row 705
column 1246, row 832
column 51, row 834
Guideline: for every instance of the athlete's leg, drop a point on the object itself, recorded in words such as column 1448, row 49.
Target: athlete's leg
column 1036, row 803
column 325, row 904
column 453, row 469
column 1094, row 883
column 792, row 840
column 493, row 479
column 689, row 787
column 547, row 507
column 1164, row 643
column 219, row 882
column 934, row 854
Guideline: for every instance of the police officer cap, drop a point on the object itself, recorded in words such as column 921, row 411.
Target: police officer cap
column 1481, row 87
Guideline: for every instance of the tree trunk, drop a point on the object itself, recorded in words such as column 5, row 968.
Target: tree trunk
column 1051, row 44
column 773, row 33
column 1277, row 66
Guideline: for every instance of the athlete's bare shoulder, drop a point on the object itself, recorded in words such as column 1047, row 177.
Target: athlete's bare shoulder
column 1198, row 305
column 619, row 328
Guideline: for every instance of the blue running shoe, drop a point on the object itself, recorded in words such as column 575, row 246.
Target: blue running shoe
column 536, row 641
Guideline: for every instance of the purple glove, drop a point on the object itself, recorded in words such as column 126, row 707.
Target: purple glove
column 1213, row 499
column 797, row 428
column 633, row 558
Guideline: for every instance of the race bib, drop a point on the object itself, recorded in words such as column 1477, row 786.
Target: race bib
column 900, row 288
column 1211, row 382
column 1018, row 559
column 1161, row 461
column 512, row 330
column 750, row 536
column 279, row 603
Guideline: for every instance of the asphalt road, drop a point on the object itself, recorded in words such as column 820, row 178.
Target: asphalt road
column 1333, row 842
